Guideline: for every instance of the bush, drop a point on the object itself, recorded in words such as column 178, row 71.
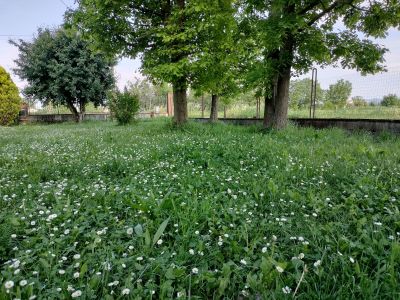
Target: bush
column 124, row 106
column 10, row 102
column 359, row 101
column 390, row 100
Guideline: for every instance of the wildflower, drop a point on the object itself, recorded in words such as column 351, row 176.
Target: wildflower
column 67, row 231
column 159, row 242
column 317, row 263
column 197, row 232
column 378, row 223
column 126, row 291
column 243, row 262
column 23, row 282
column 191, row 251
column 116, row 282
column 61, row 272
column 129, row 231
column 264, row 249
column 286, row 290
column 77, row 256
column 76, row 294
column 301, row 256
column 76, row 275
column 13, row 236
column 351, row 260
column 195, row 271
column 139, row 258
column 279, row 269
column 9, row 284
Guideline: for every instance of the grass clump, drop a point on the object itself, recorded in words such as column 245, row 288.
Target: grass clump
column 147, row 211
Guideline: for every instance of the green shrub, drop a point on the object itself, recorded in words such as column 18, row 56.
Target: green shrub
column 124, row 106
column 390, row 100
column 359, row 101
column 10, row 101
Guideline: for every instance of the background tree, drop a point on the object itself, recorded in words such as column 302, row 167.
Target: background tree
column 149, row 94
column 300, row 93
column 339, row 93
column 60, row 68
column 217, row 54
column 359, row 101
column 163, row 32
column 390, row 100
column 10, row 102
column 296, row 35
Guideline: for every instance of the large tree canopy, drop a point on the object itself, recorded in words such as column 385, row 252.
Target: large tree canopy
column 163, row 33
column 295, row 35
column 10, row 102
column 61, row 69
column 187, row 42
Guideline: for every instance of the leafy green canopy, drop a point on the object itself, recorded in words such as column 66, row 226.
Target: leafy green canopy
column 219, row 50
column 61, row 69
column 300, row 34
column 339, row 93
column 391, row 100
column 300, row 93
column 162, row 32
column 9, row 99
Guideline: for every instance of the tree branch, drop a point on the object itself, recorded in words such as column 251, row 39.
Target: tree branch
column 336, row 4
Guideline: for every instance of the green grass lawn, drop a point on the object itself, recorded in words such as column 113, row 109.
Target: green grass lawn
column 99, row 211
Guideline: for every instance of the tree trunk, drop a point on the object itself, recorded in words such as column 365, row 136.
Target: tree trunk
column 214, row 108
column 276, row 105
column 74, row 111
column 180, row 103
column 82, row 110
column 180, row 83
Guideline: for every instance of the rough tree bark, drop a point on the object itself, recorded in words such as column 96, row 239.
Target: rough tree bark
column 74, row 111
column 276, row 105
column 180, row 102
column 214, row 108
column 180, row 84
column 82, row 109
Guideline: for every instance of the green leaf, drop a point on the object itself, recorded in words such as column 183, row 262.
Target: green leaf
column 84, row 269
column 160, row 231
column 139, row 229
column 147, row 240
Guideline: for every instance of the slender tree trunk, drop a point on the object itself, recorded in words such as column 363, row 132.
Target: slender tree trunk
column 180, row 102
column 180, row 84
column 214, row 108
column 74, row 111
column 82, row 110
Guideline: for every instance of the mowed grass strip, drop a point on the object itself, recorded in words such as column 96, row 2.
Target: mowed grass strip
column 99, row 211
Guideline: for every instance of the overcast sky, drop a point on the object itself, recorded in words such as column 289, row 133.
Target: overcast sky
column 22, row 18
